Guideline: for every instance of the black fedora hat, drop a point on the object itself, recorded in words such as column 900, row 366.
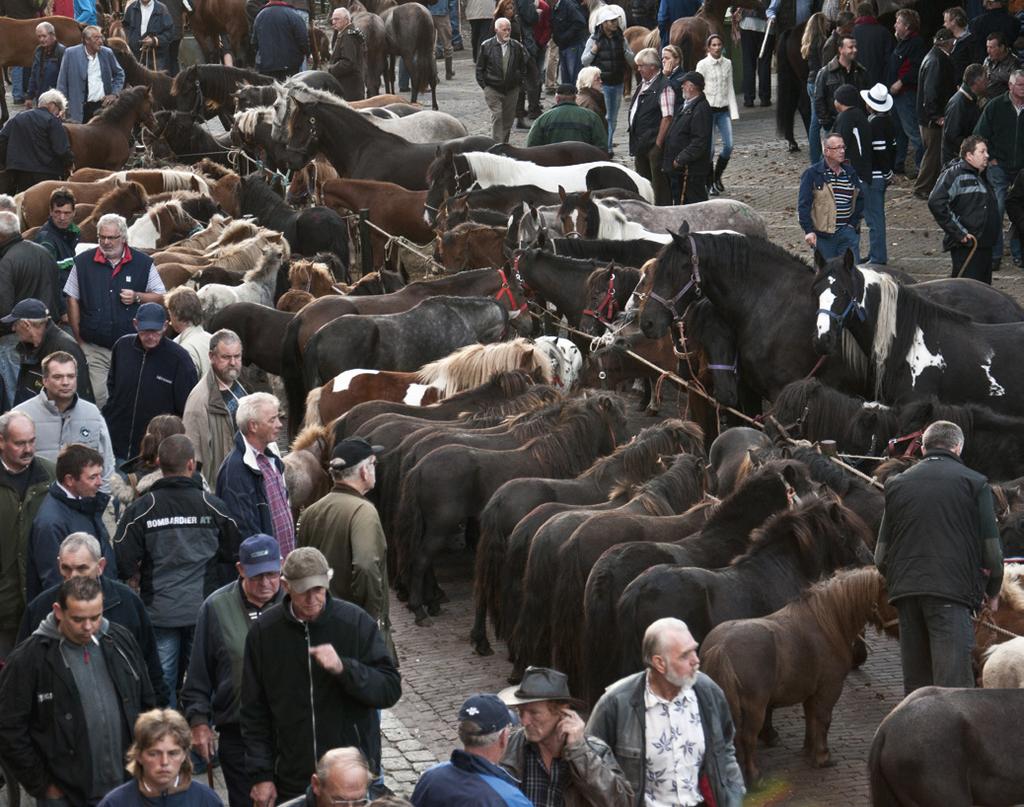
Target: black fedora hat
column 539, row 684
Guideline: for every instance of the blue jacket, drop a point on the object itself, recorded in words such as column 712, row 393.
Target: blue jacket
column 44, row 71
column 104, row 318
column 468, row 780
column 569, row 26
column 143, row 384
column 240, row 487
column 439, row 8
column 671, row 10
column 160, row 25
column 280, row 38
column 814, row 179
column 72, row 80
column 59, row 515
column 85, row 12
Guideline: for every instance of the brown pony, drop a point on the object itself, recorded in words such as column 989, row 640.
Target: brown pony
column 136, row 74
column 690, row 33
column 311, row 276
column 799, row 654
column 610, row 365
column 211, row 18
column 471, row 246
column 125, row 200
column 293, row 301
column 307, row 185
column 304, row 474
column 106, row 140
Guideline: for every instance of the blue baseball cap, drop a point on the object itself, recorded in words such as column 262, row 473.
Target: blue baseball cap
column 29, row 308
column 259, row 554
column 151, row 317
column 487, row 711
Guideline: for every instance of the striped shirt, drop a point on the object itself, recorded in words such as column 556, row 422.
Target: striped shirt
column 843, row 190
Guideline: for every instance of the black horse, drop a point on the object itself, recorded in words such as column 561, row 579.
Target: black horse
column 409, row 35
column 261, row 330
column 208, row 90
column 177, row 137
column 560, row 282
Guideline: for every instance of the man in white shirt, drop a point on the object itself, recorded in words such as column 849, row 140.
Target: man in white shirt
column 89, row 76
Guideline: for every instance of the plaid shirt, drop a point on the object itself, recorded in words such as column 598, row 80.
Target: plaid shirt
column 277, row 498
column 543, row 789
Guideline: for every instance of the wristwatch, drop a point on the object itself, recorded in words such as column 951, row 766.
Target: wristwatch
column 138, row 299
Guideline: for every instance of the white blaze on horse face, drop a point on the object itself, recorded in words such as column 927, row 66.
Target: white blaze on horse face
column 143, row 234
column 920, row 358
column 414, row 394
column 995, row 389
column 344, row 380
column 574, row 217
column 825, row 302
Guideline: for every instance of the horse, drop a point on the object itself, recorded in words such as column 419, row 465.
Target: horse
column 565, row 358
column 981, row 745
column 428, row 517
column 1003, row 668
column 106, row 140
column 136, row 74
column 802, row 653
column 212, row 18
column 470, row 246
column 552, row 280
column 570, row 152
column 163, row 224
column 631, row 463
column 181, row 138
column 917, row 348
column 260, row 329
column 425, row 126
column 257, row 287
column 607, row 293
column 208, row 90
column 611, row 366
column 690, row 34
column 18, row 45
column 409, row 35
column 126, row 199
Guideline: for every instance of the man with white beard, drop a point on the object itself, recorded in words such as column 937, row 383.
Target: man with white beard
column 670, row 727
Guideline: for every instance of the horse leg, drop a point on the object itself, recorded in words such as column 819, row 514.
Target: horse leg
column 752, row 717
column 818, row 719
column 478, row 633
column 433, row 85
column 769, row 736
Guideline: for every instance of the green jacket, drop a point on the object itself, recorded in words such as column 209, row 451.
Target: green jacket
column 17, row 515
column 567, row 121
column 345, row 526
column 1003, row 129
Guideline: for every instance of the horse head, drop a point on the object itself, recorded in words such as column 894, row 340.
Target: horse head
column 601, row 301
column 673, row 282
column 527, row 232
column 301, row 136
column 441, row 183
column 578, row 214
column 839, row 287
column 704, row 326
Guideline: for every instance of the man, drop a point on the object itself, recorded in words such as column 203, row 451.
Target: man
column 962, row 112
column 549, row 753
column 569, row 32
column 1002, row 127
column 320, row 645
column 830, row 204
column 935, row 86
column 901, row 74
column 348, row 55
column 34, row 146
column 251, row 478
column 566, row 121
column 440, row 14
column 939, row 549
column 999, row 64
column 996, row 19
column 74, row 503
column 671, row 10
column 342, row 777
column 874, row 42
column 89, row 76
column 149, row 376
column 652, row 719
column 843, row 69
column 883, row 150
column 104, row 290
column 473, row 777
column 185, row 313
column 38, row 338
column 344, row 525
column 500, row 71
column 279, row 39
column 757, row 68
column 966, row 46
column 965, row 205
column 24, row 482
column 852, row 125
column 59, row 236
column 687, row 151
column 175, row 542
column 650, row 116
column 212, row 695
column 150, row 31
column 45, row 63
column 213, row 403
column 80, row 556
column 78, row 682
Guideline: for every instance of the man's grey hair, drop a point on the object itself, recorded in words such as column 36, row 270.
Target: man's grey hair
column 8, row 418
column 113, row 219
column 250, row 406
column 7, row 203
column 341, row 11
column 470, row 736
column 55, row 97
column 500, row 20
column 1017, row 75
column 654, row 634
column 9, row 225
column 223, row 336
column 81, row 540
column 89, row 30
column 344, row 758
column 648, row 56
column 342, row 474
column 942, row 435
column 45, row 27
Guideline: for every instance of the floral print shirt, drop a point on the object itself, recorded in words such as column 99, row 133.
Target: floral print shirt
column 675, row 749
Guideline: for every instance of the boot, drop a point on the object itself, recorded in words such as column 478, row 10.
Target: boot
column 522, row 123
column 449, row 71
column 720, row 166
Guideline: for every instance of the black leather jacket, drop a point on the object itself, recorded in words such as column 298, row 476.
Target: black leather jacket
column 488, row 66
column 936, row 84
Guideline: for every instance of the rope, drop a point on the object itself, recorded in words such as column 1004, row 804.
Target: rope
column 406, row 244
column 980, row 620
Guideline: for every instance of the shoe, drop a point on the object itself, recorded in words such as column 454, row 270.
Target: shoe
column 522, row 124
column 716, row 182
column 460, row 46
column 533, row 114
column 713, row 191
column 766, row 103
column 748, row 104
column 402, row 89
column 997, row 264
column 794, row 147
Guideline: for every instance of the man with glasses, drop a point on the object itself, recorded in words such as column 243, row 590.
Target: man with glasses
column 345, row 526
column 104, row 291
column 342, row 779
column 211, row 406
column 831, row 205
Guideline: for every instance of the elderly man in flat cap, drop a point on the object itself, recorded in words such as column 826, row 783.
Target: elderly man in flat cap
column 686, row 156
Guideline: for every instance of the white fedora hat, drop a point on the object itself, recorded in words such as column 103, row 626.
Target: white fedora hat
column 877, row 98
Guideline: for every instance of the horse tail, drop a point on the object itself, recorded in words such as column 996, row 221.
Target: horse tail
column 567, row 613
column 628, row 624
column 490, row 570
column 686, row 51
column 788, row 89
column 291, row 374
column 388, row 485
column 600, row 629
column 312, row 417
column 532, row 633
column 882, row 794
column 406, row 537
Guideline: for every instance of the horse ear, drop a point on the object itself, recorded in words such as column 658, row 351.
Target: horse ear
column 585, row 196
column 561, row 193
column 526, row 359
column 679, row 239
column 819, row 261
column 790, row 475
column 684, row 229
column 849, row 263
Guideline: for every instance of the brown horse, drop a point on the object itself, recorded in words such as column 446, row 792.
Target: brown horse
column 125, row 200
column 211, row 18
column 690, row 33
column 18, row 45
column 106, row 140
column 293, row 301
column 307, row 185
column 138, row 75
column 471, row 246
column 799, row 654
column 638, row 38
column 311, row 276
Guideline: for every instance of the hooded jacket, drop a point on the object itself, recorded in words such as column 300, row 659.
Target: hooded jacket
column 17, row 514
column 44, row 736
column 293, row 710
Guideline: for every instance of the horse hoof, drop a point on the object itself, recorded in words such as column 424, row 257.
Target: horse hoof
column 422, row 620
column 434, row 608
column 483, row 648
column 441, row 596
column 402, row 593
column 793, row 147
column 515, row 677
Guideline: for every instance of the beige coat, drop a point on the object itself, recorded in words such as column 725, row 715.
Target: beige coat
column 197, row 342
column 209, row 425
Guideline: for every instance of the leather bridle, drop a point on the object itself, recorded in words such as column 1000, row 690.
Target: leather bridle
column 692, row 283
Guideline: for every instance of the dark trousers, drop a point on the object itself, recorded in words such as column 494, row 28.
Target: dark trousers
column 686, row 190
column 754, row 68
column 936, row 638
column 90, row 108
column 19, row 181
column 530, row 92
column 980, row 267
column 928, row 173
column 231, row 751
column 648, row 165
column 479, row 30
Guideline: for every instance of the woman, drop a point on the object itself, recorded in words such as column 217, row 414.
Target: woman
column 161, row 770
column 815, row 33
column 721, row 95
column 480, row 14
column 608, row 50
column 672, row 69
column 142, row 471
column 589, row 94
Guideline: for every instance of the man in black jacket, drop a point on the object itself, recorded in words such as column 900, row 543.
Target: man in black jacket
column 687, row 151
column 996, row 19
column 650, row 116
column 500, row 72
column 843, row 69
column 967, row 49
column 874, row 42
column 69, row 698
column 316, row 671
column 936, row 84
column 34, row 146
column 59, row 236
column 938, row 547
column 901, row 73
column 962, row 112
column 348, row 55
column 852, row 124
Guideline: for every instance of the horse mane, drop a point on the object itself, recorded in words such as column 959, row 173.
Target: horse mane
column 509, row 385
column 309, row 436
column 803, row 530
column 234, row 232
column 212, row 170
column 843, row 603
column 108, row 201
column 566, row 451
column 598, row 279
column 304, row 94
column 124, row 103
column 892, row 466
column 534, row 398
column 493, row 169
column 247, row 120
column 218, row 81
column 173, row 207
column 663, row 495
column 634, row 460
column 472, row 365
column 823, row 470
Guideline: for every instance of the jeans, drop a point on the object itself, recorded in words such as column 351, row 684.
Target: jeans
column 1001, row 180
column 453, row 16
column 612, row 102
column 19, row 83
column 836, row 244
column 874, row 217
column 173, row 647
column 936, row 638
column 722, row 122
column 904, row 107
column 569, row 62
column 814, row 130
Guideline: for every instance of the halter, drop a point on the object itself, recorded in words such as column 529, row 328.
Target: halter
column 729, row 368
column 913, row 441
column 519, row 278
column 854, row 306
column 605, row 310
column 506, row 291
column 693, row 282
